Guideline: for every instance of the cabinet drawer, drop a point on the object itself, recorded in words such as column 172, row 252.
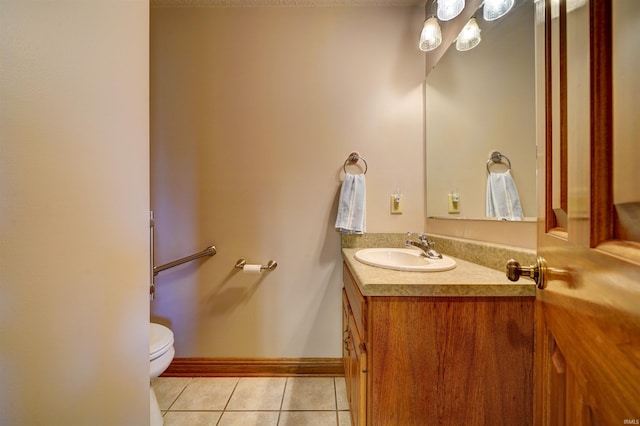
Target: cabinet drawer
column 357, row 302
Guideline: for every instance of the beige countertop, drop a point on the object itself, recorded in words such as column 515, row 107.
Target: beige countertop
column 467, row 279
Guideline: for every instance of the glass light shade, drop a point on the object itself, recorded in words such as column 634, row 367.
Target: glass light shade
column 449, row 9
column 469, row 37
column 495, row 9
column 431, row 35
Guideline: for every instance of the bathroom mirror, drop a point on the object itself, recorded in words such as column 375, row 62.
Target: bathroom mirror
column 477, row 102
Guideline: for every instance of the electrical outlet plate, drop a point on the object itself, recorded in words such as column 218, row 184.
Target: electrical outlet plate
column 454, row 206
column 396, row 206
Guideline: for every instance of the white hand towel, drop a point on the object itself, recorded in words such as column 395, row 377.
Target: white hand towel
column 503, row 200
column 352, row 217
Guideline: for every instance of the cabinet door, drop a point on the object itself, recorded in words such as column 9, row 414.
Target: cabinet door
column 357, row 379
column 346, row 346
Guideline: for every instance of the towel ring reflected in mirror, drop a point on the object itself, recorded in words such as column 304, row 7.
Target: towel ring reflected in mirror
column 352, row 159
column 496, row 158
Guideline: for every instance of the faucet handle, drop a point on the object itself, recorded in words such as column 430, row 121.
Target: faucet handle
column 424, row 238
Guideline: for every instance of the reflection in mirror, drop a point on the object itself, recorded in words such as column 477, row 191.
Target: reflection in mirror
column 478, row 102
column 626, row 127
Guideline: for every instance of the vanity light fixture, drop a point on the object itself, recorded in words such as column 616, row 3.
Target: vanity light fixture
column 495, row 9
column 469, row 37
column 449, row 9
column 431, row 35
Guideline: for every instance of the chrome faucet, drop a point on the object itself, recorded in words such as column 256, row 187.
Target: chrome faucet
column 425, row 244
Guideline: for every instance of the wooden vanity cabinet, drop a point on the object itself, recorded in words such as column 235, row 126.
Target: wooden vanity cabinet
column 419, row 360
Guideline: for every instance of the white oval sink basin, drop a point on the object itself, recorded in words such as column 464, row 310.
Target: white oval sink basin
column 402, row 259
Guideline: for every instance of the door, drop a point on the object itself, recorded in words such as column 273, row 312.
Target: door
column 587, row 356
column 74, row 197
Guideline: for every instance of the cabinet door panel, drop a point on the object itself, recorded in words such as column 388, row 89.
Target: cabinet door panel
column 346, row 355
column 357, row 377
column 357, row 302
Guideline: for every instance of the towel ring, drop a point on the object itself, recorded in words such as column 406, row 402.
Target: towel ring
column 496, row 158
column 353, row 159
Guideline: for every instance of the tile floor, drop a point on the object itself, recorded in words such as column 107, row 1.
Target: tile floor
column 248, row 401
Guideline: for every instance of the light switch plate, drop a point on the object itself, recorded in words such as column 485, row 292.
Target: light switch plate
column 454, row 206
column 396, row 206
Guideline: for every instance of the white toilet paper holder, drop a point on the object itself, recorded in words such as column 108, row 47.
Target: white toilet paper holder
column 269, row 266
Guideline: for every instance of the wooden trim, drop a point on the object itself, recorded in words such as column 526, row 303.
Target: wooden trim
column 550, row 218
column 255, row 367
column 564, row 118
column 601, row 122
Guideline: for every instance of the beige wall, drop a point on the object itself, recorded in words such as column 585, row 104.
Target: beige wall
column 254, row 111
column 74, row 201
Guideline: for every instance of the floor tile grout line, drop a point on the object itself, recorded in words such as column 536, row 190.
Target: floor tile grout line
column 287, row 384
column 251, row 411
column 179, row 394
column 224, row 410
column 231, row 394
column 335, row 400
column 284, row 392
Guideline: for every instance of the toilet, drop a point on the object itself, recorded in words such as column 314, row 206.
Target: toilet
column 161, row 354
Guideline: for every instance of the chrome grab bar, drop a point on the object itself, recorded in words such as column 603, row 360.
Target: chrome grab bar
column 209, row 251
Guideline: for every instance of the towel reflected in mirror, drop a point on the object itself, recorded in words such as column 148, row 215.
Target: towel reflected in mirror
column 503, row 201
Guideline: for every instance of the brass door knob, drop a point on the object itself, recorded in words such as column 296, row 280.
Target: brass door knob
column 535, row 272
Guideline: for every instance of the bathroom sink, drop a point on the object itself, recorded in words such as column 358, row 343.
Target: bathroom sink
column 403, row 259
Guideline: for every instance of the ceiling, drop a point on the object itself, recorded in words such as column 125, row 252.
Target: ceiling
column 286, row 3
